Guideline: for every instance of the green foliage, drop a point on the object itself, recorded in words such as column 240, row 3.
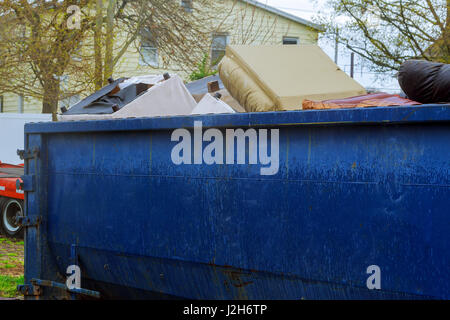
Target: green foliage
column 8, row 286
column 203, row 70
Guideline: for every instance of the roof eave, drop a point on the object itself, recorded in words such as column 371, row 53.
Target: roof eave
column 285, row 14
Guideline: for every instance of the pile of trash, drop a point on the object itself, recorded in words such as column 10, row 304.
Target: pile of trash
column 258, row 79
column 148, row 96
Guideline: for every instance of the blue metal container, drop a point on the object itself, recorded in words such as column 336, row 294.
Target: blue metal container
column 354, row 188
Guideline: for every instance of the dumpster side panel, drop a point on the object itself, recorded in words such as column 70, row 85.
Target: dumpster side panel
column 39, row 260
column 345, row 197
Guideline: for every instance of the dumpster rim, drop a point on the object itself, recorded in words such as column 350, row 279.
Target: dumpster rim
column 350, row 116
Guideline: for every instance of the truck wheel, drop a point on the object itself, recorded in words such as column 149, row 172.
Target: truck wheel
column 11, row 208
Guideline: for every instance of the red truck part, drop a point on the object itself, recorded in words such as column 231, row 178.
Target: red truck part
column 8, row 182
column 11, row 199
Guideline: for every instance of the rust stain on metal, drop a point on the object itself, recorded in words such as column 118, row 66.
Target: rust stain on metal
column 234, row 277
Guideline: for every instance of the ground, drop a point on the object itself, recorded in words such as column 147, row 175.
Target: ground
column 11, row 267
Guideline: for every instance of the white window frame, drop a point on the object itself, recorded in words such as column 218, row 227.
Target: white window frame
column 20, row 103
column 144, row 56
column 227, row 41
column 146, row 48
column 76, row 54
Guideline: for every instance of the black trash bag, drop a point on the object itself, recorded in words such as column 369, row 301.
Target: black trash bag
column 425, row 81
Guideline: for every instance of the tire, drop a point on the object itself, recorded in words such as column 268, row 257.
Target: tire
column 9, row 210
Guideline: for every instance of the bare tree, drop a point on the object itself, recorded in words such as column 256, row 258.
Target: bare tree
column 37, row 48
column 110, row 22
column 39, row 52
column 182, row 34
column 389, row 32
column 254, row 25
column 41, row 57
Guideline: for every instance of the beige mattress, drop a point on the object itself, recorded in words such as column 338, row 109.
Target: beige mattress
column 270, row 78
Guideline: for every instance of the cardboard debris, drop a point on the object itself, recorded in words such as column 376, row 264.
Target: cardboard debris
column 270, row 78
column 213, row 86
column 210, row 104
column 229, row 100
column 226, row 97
column 199, row 88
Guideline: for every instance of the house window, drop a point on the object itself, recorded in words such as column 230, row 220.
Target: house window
column 187, row 5
column 76, row 55
column 20, row 104
column 148, row 52
column 290, row 40
column 219, row 43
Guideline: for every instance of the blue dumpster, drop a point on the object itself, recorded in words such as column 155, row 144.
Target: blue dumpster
column 324, row 204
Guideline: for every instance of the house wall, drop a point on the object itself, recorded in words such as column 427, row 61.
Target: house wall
column 11, row 102
column 246, row 24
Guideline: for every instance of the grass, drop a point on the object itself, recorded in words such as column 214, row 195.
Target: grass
column 8, row 286
column 5, row 240
column 11, row 267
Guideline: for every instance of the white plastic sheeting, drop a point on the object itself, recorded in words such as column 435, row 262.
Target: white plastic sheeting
column 80, row 117
column 209, row 104
column 167, row 98
column 147, row 79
